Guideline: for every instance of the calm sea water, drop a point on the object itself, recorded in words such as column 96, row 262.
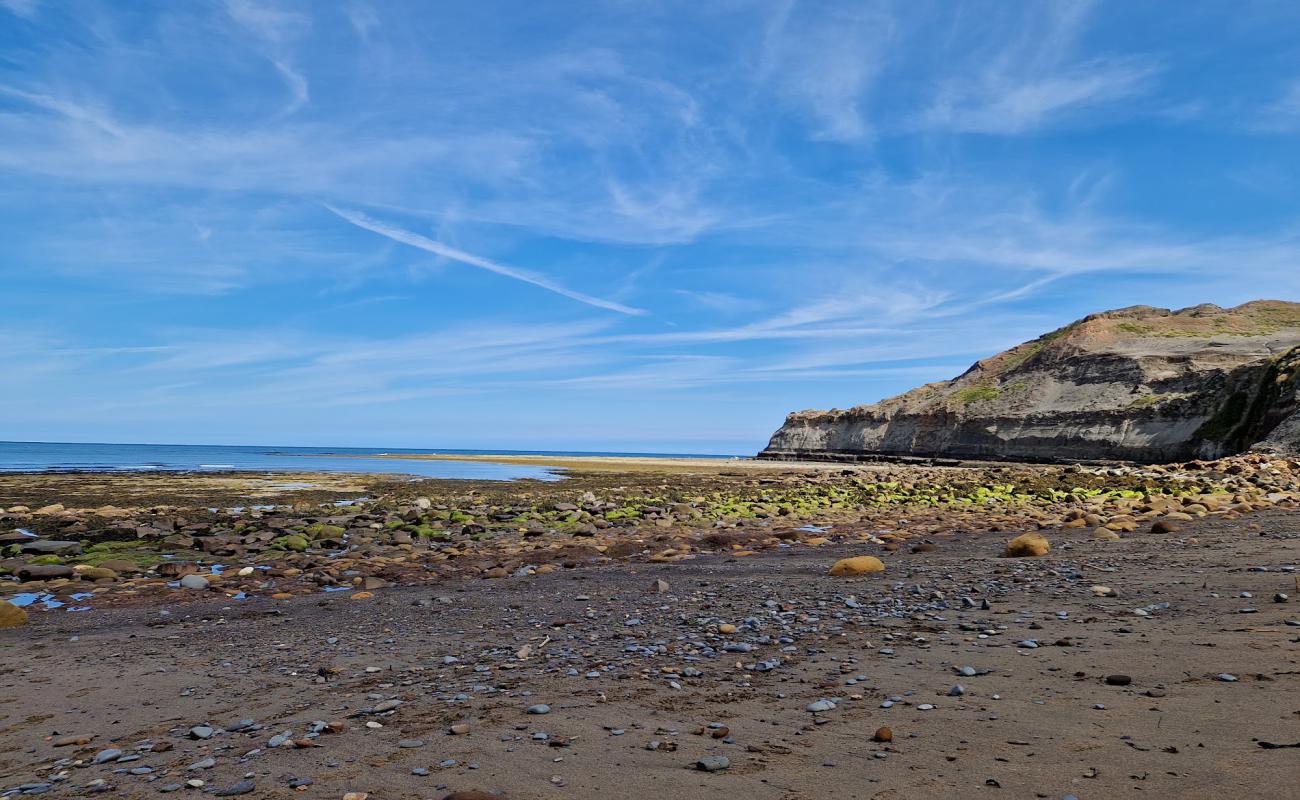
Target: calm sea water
column 70, row 457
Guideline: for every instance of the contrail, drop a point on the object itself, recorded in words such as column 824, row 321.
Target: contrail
column 425, row 243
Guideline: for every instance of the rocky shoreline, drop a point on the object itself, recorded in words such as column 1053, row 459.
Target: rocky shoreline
column 410, row 532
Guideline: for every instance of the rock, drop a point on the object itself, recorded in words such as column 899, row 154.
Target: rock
column 410, row 744
column 1105, row 535
column 1081, row 391
column 70, row 741
column 177, row 569
column 1028, row 545
column 11, row 616
column 474, row 795
column 44, row 572
column 107, row 756
column 50, row 547
column 540, row 708
column 194, row 582
column 87, row 573
column 819, row 706
column 459, row 729
column 713, row 763
column 243, row 787
column 883, row 734
column 202, row 732
column 1164, row 526
column 1118, row 680
column 858, row 565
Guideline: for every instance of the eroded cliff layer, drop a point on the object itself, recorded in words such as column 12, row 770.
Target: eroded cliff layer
column 1139, row 384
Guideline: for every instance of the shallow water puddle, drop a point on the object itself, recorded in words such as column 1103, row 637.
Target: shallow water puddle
column 49, row 601
column 815, row 529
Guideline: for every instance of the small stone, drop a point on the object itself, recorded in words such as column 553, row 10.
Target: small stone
column 105, row 756
column 883, row 734
column 1226, row 677
column 1118, row 680
column 201, row 732
column 819, row 706
column 540, row 708
column 460, row 729
column 410, row 744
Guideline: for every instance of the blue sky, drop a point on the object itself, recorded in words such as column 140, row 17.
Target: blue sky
column 608, row 225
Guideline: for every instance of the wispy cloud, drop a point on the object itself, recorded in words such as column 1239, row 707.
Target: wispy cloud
column 823, row 61
column 21, row 8
column 1282, row 115
column 1036, row 78
column 440, row 249
column 276, row 28
column 1003, row 104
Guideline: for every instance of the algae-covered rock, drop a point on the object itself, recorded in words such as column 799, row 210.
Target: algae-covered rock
column 1028, row 545
column 11, row 616
column 858, row 565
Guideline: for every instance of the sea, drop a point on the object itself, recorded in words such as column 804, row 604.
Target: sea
column 92, row 457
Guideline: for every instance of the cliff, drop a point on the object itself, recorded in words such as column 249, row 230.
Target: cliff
column 1138, row 384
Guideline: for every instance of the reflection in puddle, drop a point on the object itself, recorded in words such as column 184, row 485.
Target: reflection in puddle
column 49, row 601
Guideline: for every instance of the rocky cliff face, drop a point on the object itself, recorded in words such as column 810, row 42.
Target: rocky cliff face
column 1140, row 384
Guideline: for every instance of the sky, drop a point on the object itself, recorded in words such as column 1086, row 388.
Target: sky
column 640, row 226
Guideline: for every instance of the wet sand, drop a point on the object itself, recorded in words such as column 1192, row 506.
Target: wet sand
column 614, row 659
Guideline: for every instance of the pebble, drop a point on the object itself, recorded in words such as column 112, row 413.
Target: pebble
column 243, row 787
column 105, row 756
column 819, row 706
column 410, row 744
column 540, row 708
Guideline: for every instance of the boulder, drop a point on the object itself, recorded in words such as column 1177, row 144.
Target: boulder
column 11, row 616
column 1028, row 545
column 51, row 547
column 44, row 572
column 858, row 565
